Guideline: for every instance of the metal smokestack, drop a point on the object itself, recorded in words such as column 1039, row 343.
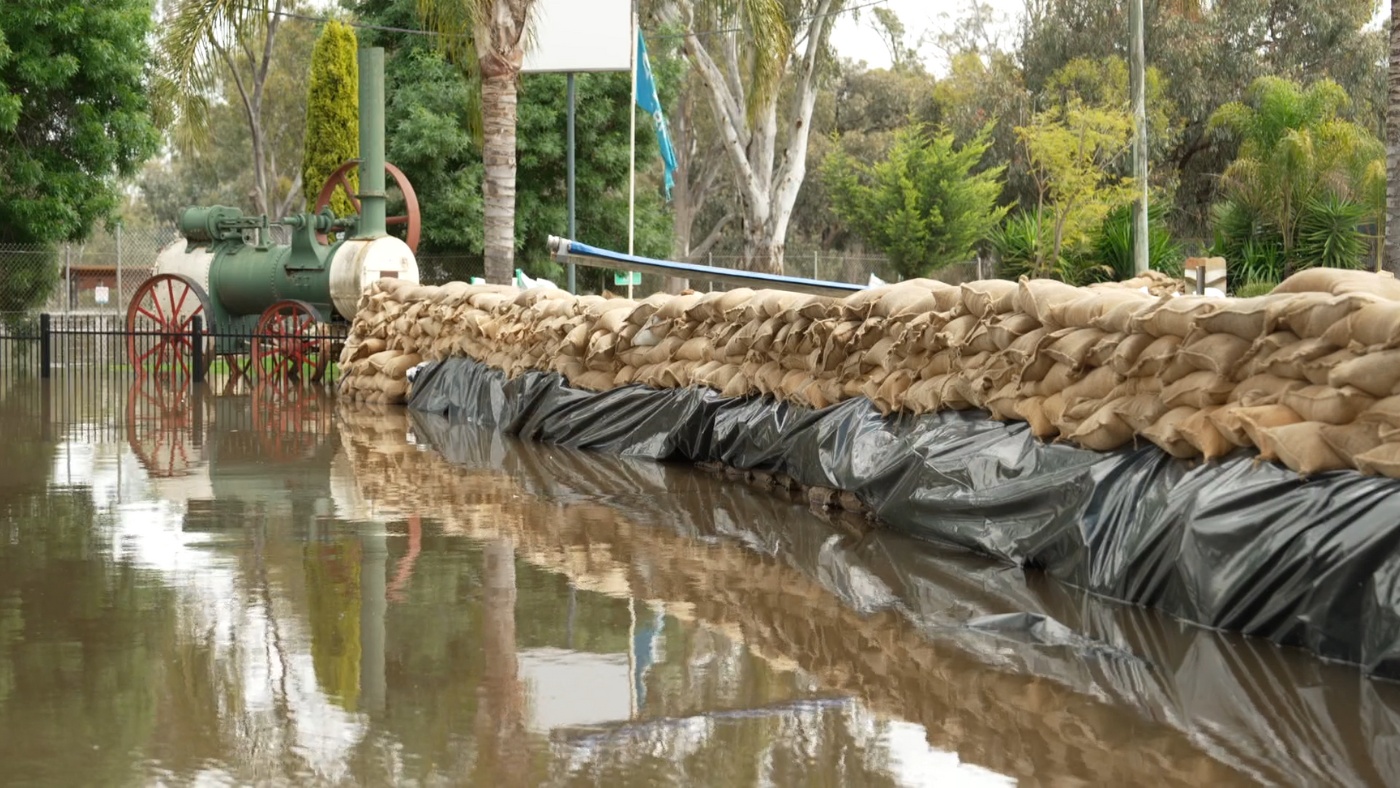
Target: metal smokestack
column 372, row 202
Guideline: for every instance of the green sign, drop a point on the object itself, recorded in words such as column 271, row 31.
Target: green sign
column 621, row 278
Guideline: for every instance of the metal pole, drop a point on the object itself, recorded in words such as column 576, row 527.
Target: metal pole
column 45, row 351
column 1139, row 76
column 119, row 300
column 632, row 156
column 815, row 254
column 67, row 277
column 573, row 228
column 197, row 347
column 373, row 221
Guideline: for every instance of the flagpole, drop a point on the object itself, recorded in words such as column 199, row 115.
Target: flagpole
column 632, row 156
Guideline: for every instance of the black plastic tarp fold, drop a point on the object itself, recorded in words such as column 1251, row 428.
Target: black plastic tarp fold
column 1233, row 544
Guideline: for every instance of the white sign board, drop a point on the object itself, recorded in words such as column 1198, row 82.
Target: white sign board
column 99, row 294
column 580, row 36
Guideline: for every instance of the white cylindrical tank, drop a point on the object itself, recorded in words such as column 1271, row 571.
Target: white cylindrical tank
column 358, row 264
column 194, row 263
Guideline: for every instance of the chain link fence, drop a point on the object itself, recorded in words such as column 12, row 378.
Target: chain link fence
column 97, row 276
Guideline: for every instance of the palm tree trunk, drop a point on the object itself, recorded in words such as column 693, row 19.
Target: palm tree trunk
column 498, row 99
column 1392, row 150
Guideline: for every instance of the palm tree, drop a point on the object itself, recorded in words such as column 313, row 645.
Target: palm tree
column 1392, row 146
column 487, row 40
column 1296, row 152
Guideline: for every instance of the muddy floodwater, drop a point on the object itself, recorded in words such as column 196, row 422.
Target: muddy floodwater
column 278, row 589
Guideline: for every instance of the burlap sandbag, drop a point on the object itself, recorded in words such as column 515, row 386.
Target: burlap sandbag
column 1375, row 326
column 1094, row 306
column 1053, row 407
column 1166, row 432
column 1319, row 370
column 1003, row 401
column 1031, row 410
column 1072, row 346
column 1218, row 353
column 925, row 396
column 1255, row 420
column 1349, row 441
column 1328, row 405
column 1127, row 350
column 1300, row 447
column 1263, row 389
column 1288, row 362
column 1176, row 316
column 1156, row 356
column 1377, row 374
column 1339, row 281
column 940, row 363
column 1198, row 390
column 399, row 367
column 1103, row 352
column 987, row 297
column 378, row 360
column 1006, row 329
column 1057, row 379
column 1119, row 319
column 1040, row 298
column 905, row 299
column 1139, row 411
column 1385, row 412
column 1246, row 318
column 738, row 386
column 1384, row 460
column 1096, row 385
column 1200, row 431
column 363, row 349
column 1104, row 430
column 1028, row 345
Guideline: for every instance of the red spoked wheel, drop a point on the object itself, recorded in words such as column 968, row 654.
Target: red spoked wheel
column 291, row 344
column 160, row 425
column 291, row 422
column 410, row 220
column 159, row 319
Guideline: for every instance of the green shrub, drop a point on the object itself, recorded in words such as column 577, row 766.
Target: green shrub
column 1329, row 234
column 1022, row 243
column 1112, row 245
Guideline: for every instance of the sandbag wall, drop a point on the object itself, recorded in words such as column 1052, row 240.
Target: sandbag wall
column 1308, row 375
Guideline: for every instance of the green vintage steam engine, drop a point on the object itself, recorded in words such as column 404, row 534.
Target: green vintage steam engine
column 277, row 310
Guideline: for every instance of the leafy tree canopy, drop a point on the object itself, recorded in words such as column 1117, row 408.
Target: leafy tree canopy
column 922, row 205
column 332, row 114
column 73, row 113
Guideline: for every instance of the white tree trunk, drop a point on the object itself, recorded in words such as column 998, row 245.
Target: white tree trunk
column 768, row 178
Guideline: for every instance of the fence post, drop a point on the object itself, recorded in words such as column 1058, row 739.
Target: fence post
column 45, row 353
column 1200, row 280
column 119, row 301
column 68, row 278
column 815, row 255
column 710, row 261
column 197, row 347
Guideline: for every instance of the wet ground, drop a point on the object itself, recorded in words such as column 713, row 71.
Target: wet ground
column 278, row 589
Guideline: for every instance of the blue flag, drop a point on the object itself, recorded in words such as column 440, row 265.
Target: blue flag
column 649, row 102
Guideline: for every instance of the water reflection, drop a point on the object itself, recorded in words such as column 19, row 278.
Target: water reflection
column 291, row 591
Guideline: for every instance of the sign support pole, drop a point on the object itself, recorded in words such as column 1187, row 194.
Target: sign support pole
column 632, row 156
column 573, row 227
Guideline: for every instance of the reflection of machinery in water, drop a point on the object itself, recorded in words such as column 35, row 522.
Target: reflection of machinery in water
column 214, row 452
column 165, row 420
column 290, row 428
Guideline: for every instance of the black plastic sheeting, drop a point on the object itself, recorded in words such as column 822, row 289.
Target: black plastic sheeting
column 1275, row 716
column 1235, row 544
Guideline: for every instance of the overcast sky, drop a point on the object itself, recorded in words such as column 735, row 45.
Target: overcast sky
column 854, row 34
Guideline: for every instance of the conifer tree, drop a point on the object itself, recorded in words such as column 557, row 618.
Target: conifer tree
column 332, row 114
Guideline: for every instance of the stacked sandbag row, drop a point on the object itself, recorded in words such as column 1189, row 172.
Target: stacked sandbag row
column 1305, row 374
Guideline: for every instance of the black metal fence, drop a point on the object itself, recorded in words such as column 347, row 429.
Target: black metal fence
column 101, row 347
